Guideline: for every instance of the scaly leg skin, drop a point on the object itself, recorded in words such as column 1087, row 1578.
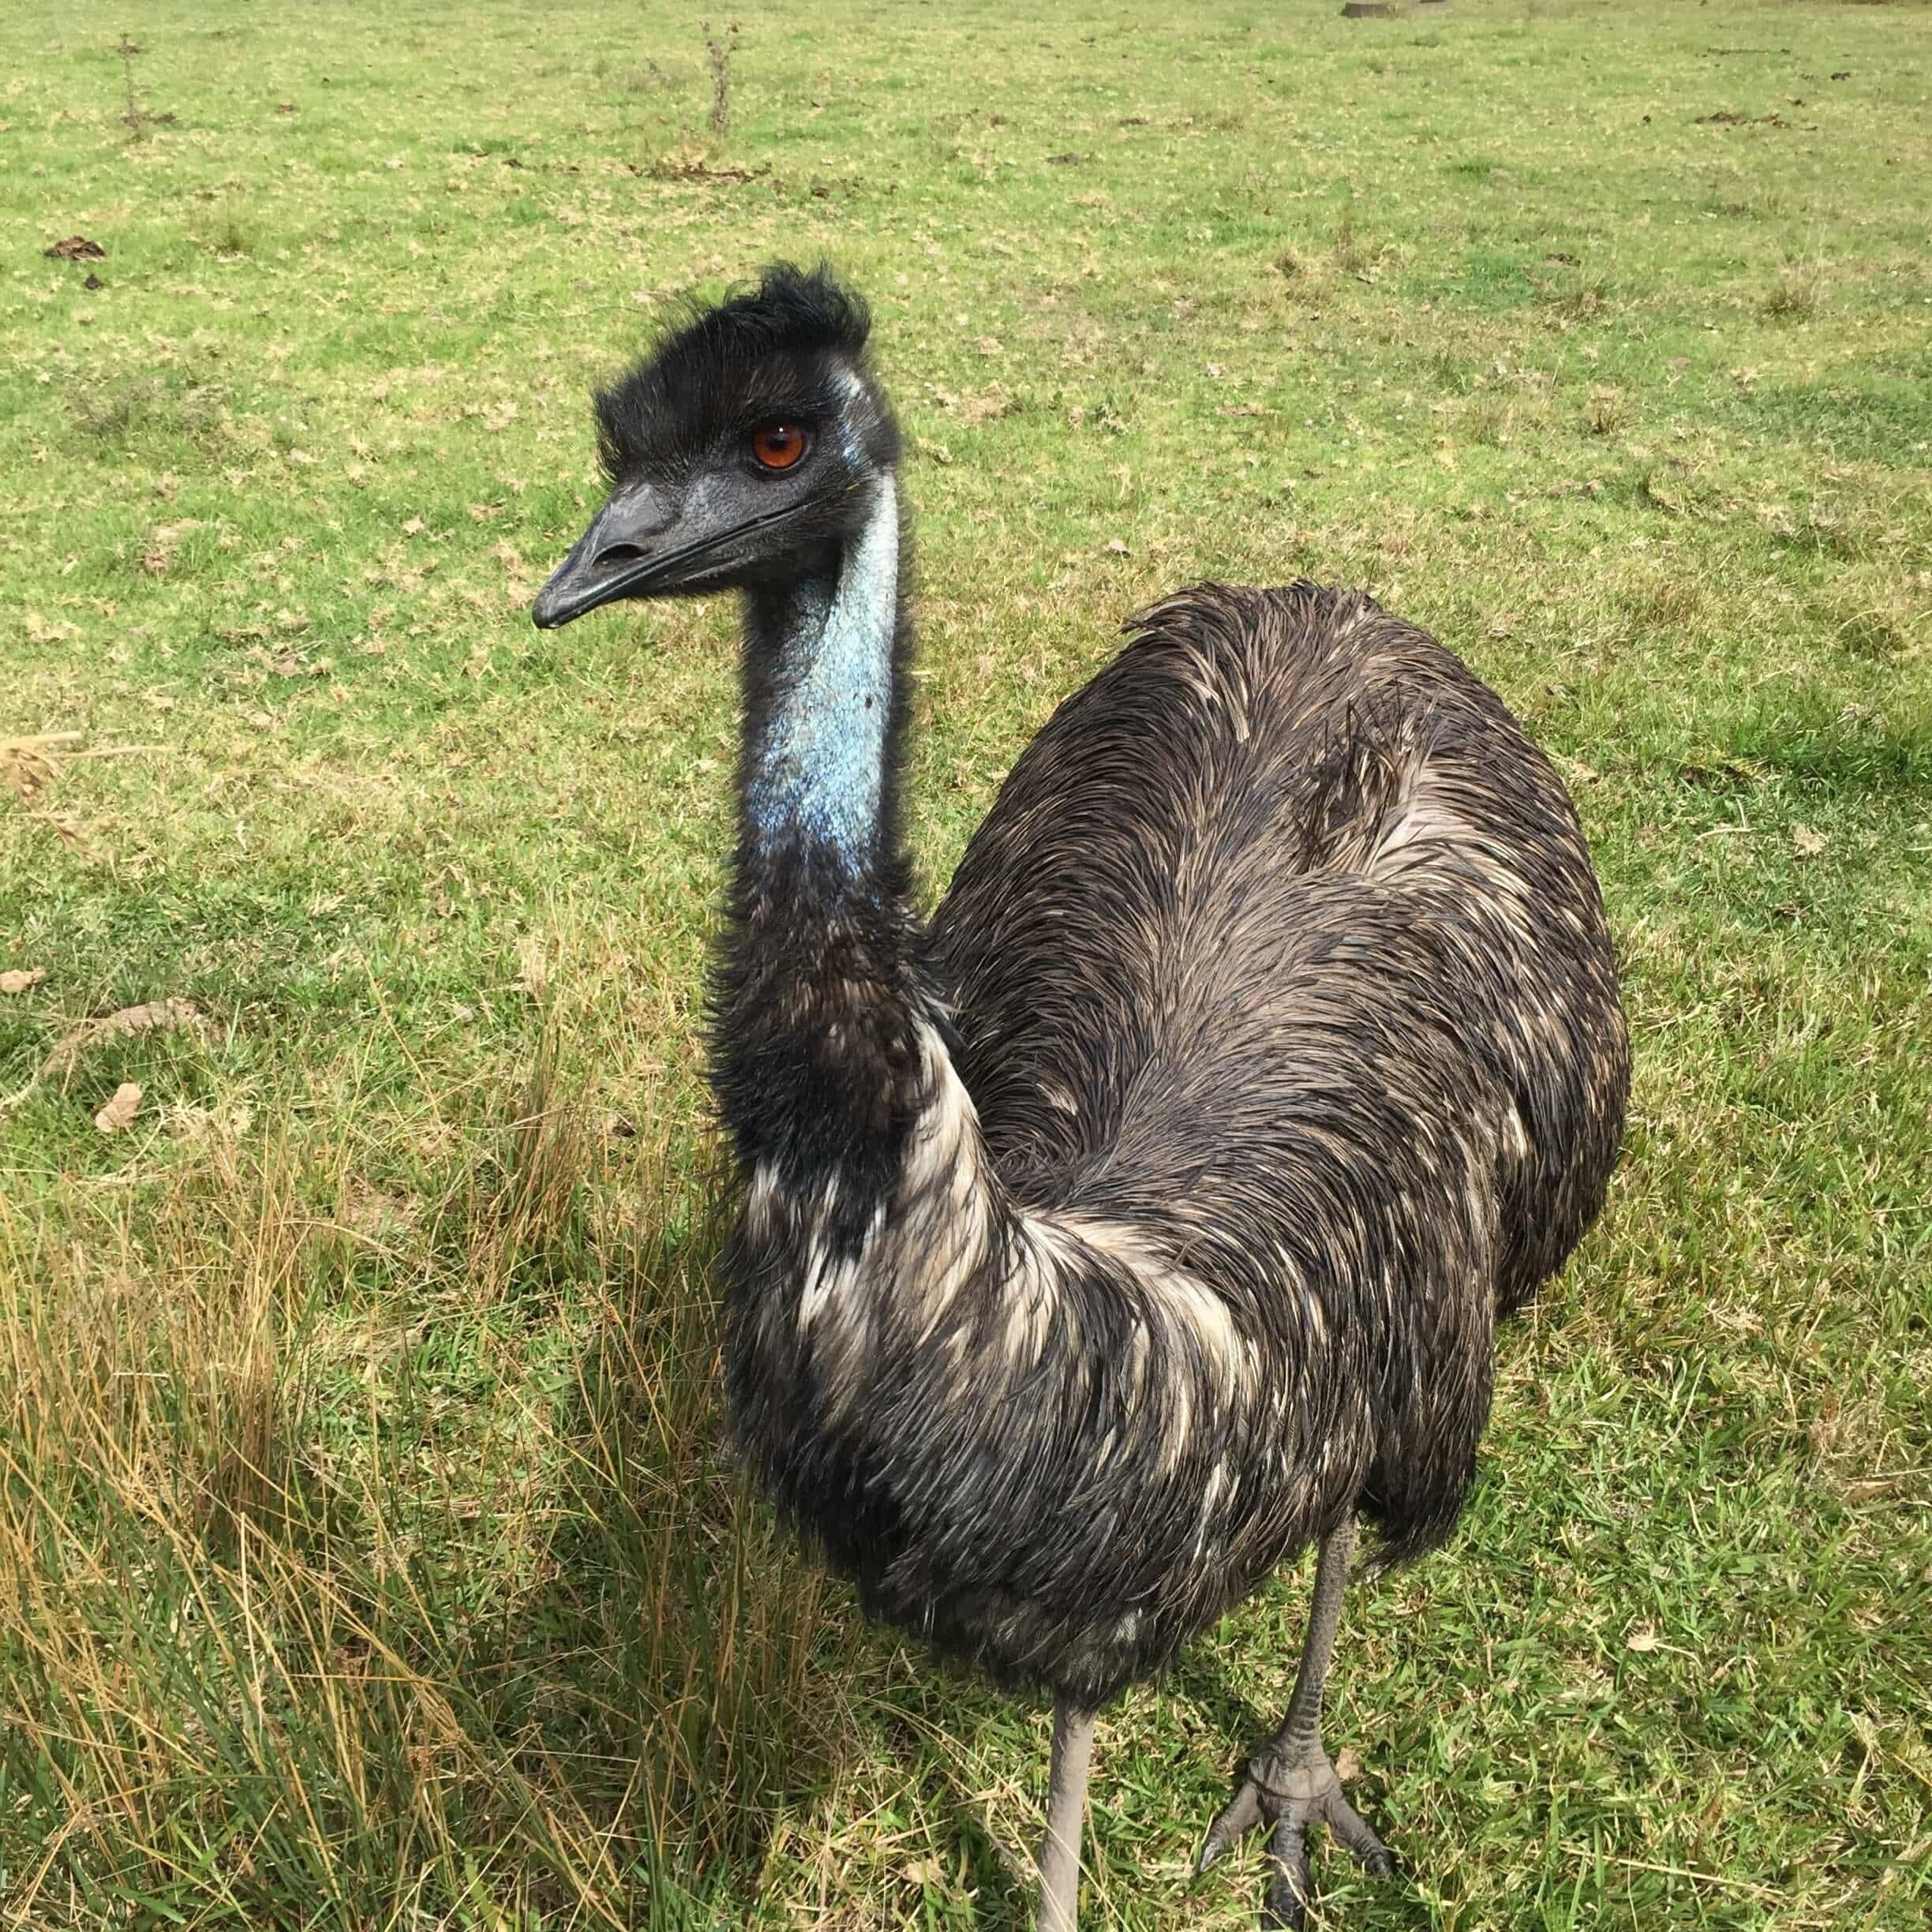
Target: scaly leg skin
column 1291, row 1782
column 1066, row 1818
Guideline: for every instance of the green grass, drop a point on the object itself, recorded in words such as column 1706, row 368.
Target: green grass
column 366, row 1557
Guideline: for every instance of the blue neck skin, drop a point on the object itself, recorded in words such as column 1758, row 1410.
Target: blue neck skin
column 816, row 745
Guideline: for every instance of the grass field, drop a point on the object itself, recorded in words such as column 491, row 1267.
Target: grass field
column 366, row 1557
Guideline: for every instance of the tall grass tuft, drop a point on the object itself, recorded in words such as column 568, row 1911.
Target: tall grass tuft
column 269, row 1628
column 1793, row 297
column 526, row 1217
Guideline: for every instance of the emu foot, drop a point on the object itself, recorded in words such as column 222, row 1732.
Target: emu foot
column 1289, row 1792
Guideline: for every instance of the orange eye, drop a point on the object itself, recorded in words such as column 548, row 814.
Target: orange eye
column 777, row 445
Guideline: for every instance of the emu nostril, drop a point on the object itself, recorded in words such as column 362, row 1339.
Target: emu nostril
column 618, row 553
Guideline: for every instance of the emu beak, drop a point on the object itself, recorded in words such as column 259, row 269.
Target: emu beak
column 621, row 553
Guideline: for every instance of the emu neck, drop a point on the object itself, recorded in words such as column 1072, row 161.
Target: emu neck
column 821, row 702
column 819, row 996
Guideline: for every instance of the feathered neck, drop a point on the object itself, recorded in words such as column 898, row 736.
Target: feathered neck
column 822, row 718
column 818, row 995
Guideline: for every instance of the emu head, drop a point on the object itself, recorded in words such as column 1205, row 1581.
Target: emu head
column 742, row 451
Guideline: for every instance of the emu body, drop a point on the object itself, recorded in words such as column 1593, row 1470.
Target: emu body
column 1283, row 1056
column 1148, row 1216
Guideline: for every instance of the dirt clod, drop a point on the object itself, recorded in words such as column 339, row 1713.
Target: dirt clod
column 119, row 1112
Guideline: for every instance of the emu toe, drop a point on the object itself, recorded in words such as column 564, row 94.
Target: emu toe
column 1289, row 1794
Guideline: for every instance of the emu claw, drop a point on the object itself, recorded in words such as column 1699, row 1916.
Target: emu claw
column 1290, row 1795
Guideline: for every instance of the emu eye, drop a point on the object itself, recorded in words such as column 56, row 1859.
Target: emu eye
column 777, row 445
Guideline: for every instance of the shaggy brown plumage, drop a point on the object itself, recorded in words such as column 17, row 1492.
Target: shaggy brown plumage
column 1150, row 1216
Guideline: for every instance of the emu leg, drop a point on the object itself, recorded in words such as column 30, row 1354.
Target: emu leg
column 1066, row 1817
column 1290, row 1783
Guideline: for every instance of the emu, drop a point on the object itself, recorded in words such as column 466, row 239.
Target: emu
column 1147, row 1216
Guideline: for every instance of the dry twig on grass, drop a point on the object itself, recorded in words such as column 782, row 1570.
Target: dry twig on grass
column 29, row 764
column 154, row 1017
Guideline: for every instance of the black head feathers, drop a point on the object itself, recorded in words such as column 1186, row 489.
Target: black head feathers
column 790, row 309
column 793, row 346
